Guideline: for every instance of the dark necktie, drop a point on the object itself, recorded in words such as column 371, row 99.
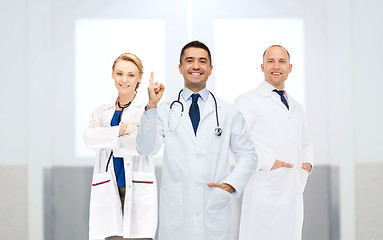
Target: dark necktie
column 194, row 112
column 283, row 99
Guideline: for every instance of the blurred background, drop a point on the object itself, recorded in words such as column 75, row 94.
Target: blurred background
column 55, row 68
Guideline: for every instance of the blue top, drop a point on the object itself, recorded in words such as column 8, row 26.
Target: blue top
column 118, row 162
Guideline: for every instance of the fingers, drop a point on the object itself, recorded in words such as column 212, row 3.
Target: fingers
column 151, row 78
column 152, row 85
column 224, row 186
column 279, row 164
column 155, row 92
column 214, row 184
column 122, row 130
column 155, row 86
column 307, row 167
column 161, row 89
column 288, row 165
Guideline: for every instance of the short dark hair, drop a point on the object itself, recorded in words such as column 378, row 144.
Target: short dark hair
column 264, row 53
column 195, row 44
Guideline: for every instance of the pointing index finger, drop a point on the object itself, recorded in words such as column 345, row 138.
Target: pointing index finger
column 151, row 78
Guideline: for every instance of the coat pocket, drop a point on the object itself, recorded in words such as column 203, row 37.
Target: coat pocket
column 271, row 186
column 218, row 213
column 102, row 189
column 217, row 199
column 144, row 187
column 105, row 214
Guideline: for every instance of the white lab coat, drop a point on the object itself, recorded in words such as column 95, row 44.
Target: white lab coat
column 272, row 207
column 140, row 208
column 189, row 209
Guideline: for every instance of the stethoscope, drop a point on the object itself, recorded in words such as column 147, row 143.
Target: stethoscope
column 119, row 120
column 217, row 130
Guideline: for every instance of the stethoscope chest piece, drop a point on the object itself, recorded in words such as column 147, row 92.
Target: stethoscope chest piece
column 218, row 131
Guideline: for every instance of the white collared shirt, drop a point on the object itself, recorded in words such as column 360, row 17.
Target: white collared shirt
column 187, row 93
column 271, row 88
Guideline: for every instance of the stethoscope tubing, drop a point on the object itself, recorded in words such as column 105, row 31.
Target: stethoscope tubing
column 218, row 130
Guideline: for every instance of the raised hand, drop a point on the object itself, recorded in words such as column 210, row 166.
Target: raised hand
column 155, row 92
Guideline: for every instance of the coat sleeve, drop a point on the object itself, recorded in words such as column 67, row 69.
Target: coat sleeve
column 127, row 146
column 150, row 135
column 244, row 154
column 97, row 136
column 307, row 147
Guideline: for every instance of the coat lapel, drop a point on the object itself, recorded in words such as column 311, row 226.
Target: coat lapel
column 209, row 108
column 267, row 93
column 291, row 101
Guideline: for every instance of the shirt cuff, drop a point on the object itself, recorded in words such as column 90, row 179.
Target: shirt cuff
column 150, row 114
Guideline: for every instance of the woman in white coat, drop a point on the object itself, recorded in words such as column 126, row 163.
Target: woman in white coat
column 123, row 202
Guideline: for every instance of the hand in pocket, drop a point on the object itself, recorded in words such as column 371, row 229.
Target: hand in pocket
column 280, row 164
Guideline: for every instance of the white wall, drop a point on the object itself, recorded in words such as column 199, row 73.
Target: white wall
column 26, row 123
column 367, row 49
column 13, row 120
column 13, row 80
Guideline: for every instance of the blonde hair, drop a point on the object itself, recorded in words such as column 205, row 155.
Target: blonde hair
column 134, row 59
